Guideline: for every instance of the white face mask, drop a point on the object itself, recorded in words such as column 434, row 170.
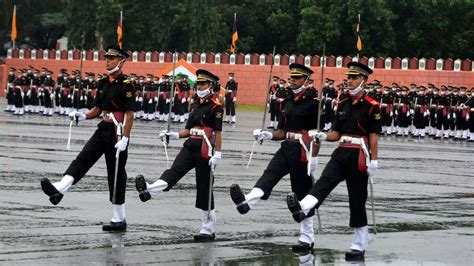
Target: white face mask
column 300, row 89
column 472, row 94
column 116, row 68
column 435, row 92
column 275, row 83
column 203, row 93
column 91, row 79
column 404, row 93
column 355, row 91
column 48, row 76
column 231, row 78
column 148, row 79
column 442, row 92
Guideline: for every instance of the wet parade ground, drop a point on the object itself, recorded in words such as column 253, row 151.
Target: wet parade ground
column 424, row 203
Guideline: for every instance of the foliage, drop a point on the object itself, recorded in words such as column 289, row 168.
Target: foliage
column 403, row 28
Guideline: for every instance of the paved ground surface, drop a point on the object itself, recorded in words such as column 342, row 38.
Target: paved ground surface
column 423, row 201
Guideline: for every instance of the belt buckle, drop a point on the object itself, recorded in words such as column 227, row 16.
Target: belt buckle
column 346, row 139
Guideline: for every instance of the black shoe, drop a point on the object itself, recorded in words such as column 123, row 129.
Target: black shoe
column 239, row 199
column 115, row 226
column 355, row 255
column 140, row 184
column 54, row 195
column 204, row 237
column 295, row 207
column 302, row 247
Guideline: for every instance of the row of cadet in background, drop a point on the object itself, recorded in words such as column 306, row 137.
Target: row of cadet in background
column 443, row 112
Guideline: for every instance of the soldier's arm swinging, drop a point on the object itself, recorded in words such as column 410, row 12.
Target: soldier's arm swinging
column 184, row 133
column 279, row 134
column 218, row 140
column 373, row 142
column 128, row 124
column 93, row 113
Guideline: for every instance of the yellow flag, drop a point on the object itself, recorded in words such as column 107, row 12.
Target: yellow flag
column 359, row 41
column 14, row 24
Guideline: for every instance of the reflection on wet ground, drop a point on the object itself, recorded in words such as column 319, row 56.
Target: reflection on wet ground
column 423, row 203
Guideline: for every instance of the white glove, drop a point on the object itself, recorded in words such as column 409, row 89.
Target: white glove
column 22, row 94
column 136, row 99
column 396, row 112
column 391, row 113
column 69, row 96
column 449, row 116
column 183, row 100
column 313, row 165
column 156, row 99
column 467, row 117
column 268, row 106
column 28, row 93
column 167, row 101
column 234, row 99
column 412, row 112
column 317, row 135
column 171, row 135
column 372, row 168
column 77, row 116
column 82, row 98
column 454, row 115
column 436, row 116
column 261, row 135
column 214, row 160
column 408, row 113
column 122, row 144
column 150, row 101
column 140, row 99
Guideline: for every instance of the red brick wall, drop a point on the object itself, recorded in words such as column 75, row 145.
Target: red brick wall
column 252, row 79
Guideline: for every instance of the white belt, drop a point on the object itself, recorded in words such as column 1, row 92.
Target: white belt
column 229, row 90
column 361, row 142
column 352, row 140
column 201, row 132
column 472, row 109
column 294, row 136
column 401, row 104
column 197, row 132
column 299, row 137
column 119, row 126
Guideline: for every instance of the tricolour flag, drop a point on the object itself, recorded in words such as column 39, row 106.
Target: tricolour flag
column 359, row 41
column 120, row 31
column 14, row 24
column 235, row 35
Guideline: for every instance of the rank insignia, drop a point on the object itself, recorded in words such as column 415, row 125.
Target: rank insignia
column 377, row 116
column 129, row 94
column 218, row 115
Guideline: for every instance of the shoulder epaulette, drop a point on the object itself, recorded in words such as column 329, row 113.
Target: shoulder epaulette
column 370, row 100
column 126, row 81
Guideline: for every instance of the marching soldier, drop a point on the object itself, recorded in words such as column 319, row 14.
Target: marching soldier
column 230, row 99
column 442, row 111
column 403, row 112
column 461, row 114
column 180, row 97
column 298, row 117
column 149, row 103
column 453, row 96
column 433, row 96
column 164, row 99
column 274, row 106
column 356, row 126
column 48, row 87
column 386, row 105
column 470, row 115
column 204, row 125
column 19, row 83
column 329, row 99
column 115, row 102
column 10, row 95
column 420, row 115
